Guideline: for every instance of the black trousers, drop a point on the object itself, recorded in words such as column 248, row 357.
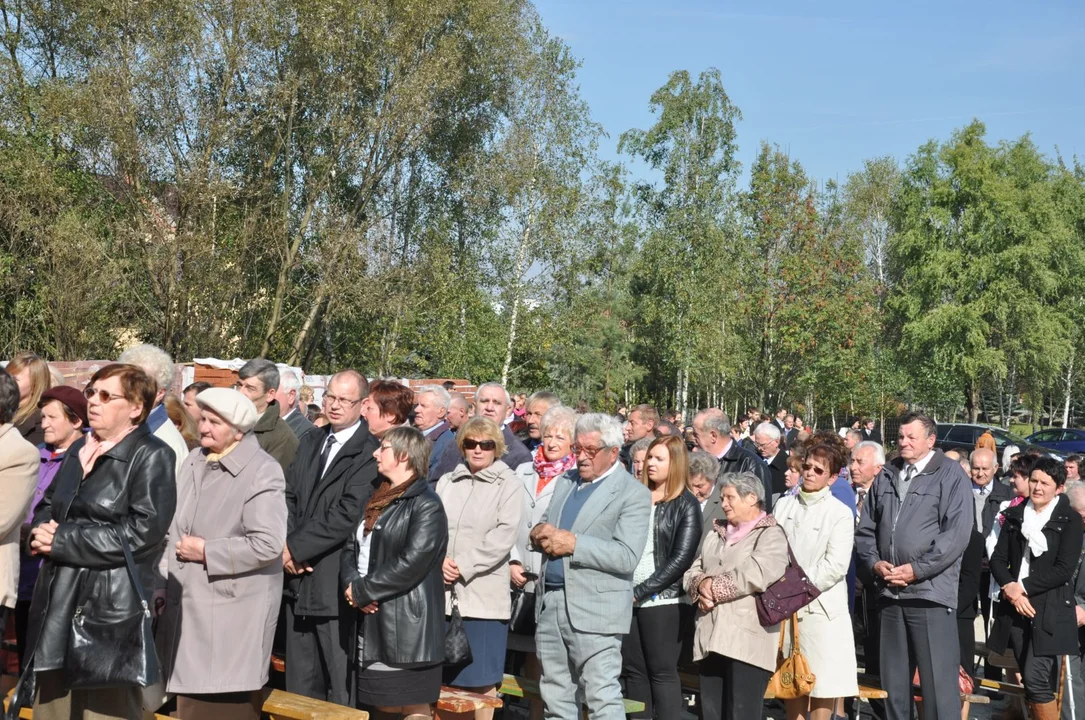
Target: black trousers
column 966, row 636
column 732, row 689
column 918, row 634
column 650, row 661
column 317, row 657
column 1039, row 674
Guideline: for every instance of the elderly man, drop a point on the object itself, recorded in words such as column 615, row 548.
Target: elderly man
column 431, row 404
column 326, row 491
column 766, row 440
column 592, row 537
column 155, row 362
column 988, row 495
column 712, row 431
column 915, row 526
column 258, row 380
column 457, row 411
column 790, row 432
column 534, row 409
column 867, row 461
column 287, row 399
column 642, row 423
column 491, row 401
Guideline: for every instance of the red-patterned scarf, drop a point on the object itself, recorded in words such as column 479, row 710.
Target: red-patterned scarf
column 548, row 470
column 1013, row 503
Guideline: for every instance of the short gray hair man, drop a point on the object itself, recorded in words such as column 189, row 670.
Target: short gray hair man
column 154, row 361
column 439, row 394
column 609, row 429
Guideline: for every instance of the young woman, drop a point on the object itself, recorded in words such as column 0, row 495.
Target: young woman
column 651, row 649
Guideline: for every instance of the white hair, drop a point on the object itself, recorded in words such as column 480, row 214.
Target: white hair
column 1075, row 491
column 443, row 398
column 745, row 483
column 153, row 360
column 609, row 429
column 288, row 380
column 879, row 451
column 499, row 386
column 558, row 416
column 768, row 429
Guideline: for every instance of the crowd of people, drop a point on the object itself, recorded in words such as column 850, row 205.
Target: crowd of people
column 156, row 550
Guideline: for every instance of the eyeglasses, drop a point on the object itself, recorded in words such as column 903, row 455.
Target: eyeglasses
column 336, row 400
column 104, row 396
column 589, row 452
column 819, row 471
column 487, row 445
column 385, row 447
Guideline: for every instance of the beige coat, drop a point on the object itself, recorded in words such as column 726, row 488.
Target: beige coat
column 19, row 462
column 483, row 521
column 220, row 618
column 740, row 571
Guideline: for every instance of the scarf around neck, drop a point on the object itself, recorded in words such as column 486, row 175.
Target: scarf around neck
column 94, row 447
column 1032, row 528
column 547, row 470
column 385, row 495
column 733, row 533
column 809, row 498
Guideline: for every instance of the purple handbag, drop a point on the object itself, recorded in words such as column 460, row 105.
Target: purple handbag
column 786, row 596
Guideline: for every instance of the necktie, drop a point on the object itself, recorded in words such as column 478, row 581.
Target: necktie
column 904, row 480
column 860, row 497
column 326, row 453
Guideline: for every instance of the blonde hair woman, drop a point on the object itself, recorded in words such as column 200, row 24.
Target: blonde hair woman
column 32, row 375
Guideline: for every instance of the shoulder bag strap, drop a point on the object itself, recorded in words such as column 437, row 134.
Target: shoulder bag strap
column 132, row 573
column 794, row 633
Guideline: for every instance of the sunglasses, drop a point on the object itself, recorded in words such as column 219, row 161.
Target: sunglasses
column 819, row 471
column 103, row 395
column 486, row 445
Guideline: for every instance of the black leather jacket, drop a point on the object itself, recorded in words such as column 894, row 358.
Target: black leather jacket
column 407, row 549
column 131, row 485
column 739, row 459
column 675, row 542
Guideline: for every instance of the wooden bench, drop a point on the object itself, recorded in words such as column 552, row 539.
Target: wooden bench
column 691, row 682
column 872, row 681
column 278, row 705
column 523, row 688
column 453, row 703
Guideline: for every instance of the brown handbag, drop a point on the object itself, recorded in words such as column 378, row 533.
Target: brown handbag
column 792, row 678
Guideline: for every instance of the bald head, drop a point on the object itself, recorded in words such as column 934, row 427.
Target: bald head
column 984, row 465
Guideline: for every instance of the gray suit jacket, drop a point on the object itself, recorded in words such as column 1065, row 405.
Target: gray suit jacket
column 712, row 511
column 611, row 530
column 299, row 423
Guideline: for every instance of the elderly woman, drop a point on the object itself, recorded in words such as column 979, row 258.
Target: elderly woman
column 703, row 471
column 32, row 375
column 739, row 559
column 637, row 452
column 225, row 566
column 115, row 488
column 482, row 498
column 1034, row 561
column 651, row 649
column 391, row 572
column 822, row 535
column 63, row 420
column 388, row 404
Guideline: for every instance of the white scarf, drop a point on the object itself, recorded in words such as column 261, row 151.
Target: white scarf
column 1032, row 527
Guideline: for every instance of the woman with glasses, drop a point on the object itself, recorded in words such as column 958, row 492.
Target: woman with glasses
column 482, row 498
column 822, row 534
column 115, row 488
column 738, row 559
column 392, row 574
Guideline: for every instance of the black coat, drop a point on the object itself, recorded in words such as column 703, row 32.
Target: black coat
column 970, row 582
column 321, row 513
column 404, row 578
column 1049, row 583
column 777, row 468
column 132, row 485
column 739, row 459
column 1000, row 493
column 675, row 542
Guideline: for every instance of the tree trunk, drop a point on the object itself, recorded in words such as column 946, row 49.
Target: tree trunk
column 971, row 400
column 685, row 394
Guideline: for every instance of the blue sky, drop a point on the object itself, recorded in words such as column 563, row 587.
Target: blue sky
column 836, row 82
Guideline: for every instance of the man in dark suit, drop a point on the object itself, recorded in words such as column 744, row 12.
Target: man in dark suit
column 869, row 431
column 987, row 495
column 491, row 401
column 712, row 430
column 287, row 397
column 327, row 486
column 766, row 438
column 790, row 432
column 781, row 413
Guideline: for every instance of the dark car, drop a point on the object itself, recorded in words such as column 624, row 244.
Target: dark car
column 963, row 436
column 1068, row 440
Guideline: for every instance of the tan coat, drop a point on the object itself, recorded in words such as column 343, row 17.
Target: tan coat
column 19, row 462
column 483, row 521
column 742, row 570
column 220, row 618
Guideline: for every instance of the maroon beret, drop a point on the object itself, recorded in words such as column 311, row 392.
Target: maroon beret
column 68, row 396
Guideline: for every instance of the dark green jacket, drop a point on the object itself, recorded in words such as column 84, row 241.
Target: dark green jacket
column 275, row 436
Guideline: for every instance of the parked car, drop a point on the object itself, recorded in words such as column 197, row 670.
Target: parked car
column 1069, row 440
column 963, row 436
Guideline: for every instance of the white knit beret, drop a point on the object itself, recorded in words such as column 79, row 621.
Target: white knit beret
column 231, row 405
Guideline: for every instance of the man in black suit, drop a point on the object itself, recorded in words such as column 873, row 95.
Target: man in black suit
column 781, row 413
column 712, row 430
column 790, row 431
column 987, row 494
column 869, row 431
column 327, row 486
column 766, row 438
